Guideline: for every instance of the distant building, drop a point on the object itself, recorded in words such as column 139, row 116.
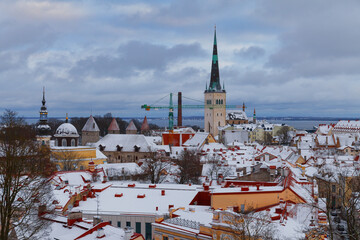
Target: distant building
column 43, row 130
column 114, row 127
column 145, row 128
column 121, row 148
column 236, row 117
column 178, row 137
column 66, row 135
column 215, row 98
column 90, row 132
column 131, row 128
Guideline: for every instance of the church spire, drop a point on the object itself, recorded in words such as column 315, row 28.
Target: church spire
column 43, row 129
column 215, row 76
column 43, row 109
column 43, row 101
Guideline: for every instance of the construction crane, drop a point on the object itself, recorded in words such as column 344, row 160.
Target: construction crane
column 171, row 108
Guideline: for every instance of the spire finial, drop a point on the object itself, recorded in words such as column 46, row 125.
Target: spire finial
column 43, row 101
column 67, row 118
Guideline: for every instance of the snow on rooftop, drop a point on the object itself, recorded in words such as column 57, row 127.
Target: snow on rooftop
column 90, row 125
column 177, row 195
column 236, row 115
column 197, row 140
column 66, row 130
column 128, row 141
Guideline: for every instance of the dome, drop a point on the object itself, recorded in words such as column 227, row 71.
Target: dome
column 66, row 130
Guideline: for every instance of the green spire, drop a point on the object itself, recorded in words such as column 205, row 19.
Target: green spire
column 215, row 85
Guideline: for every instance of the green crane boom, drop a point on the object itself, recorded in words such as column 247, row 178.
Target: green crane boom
column 171, row 108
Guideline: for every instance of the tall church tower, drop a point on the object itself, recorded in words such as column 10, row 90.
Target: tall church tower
column 43, row 130
column 215, row 97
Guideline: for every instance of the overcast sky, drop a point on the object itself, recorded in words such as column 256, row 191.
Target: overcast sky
column 285, row 58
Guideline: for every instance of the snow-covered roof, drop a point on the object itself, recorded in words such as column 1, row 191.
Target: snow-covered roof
column 236, row 115
column 347, row 126
column 66, row 130
column 153, row 203
column 197, row 140
column 127, row 141
column 90, row 125
column 131, row 126
column 114, row 126
column 56, row 230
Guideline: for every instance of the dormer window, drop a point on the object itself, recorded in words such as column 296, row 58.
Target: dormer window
column 101, row 147
column 136, row 148
column 119, row 148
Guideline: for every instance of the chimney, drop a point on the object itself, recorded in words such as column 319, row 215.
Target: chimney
column 163, row 192
column 179, row 109
column 100, row 233
column 41, row 210
column 128, row 233
column 96, row 220
column 74, row 216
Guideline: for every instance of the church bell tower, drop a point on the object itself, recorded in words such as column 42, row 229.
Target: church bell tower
column 215, row 97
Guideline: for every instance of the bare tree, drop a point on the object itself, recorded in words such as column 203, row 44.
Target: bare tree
column 24, row 168
column 284, row 135
column 339, row 198
column 215, row 167
column 155, row 168
column 268, row 138
column 248, row 225
column 68, row 160
column 189, row 167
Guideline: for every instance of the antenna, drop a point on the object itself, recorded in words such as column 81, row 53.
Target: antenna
column 97, row 205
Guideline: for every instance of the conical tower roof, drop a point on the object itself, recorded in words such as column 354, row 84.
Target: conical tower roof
column 131, row 127
column 114, row 126
column 215, row 85
column 90, row 125
column 145, row 125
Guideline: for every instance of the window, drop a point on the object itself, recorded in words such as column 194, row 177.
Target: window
column 333, row 188
column 148, row 231
column 81, row 167
column 128, row 224
column 138, row 227
column 119, row 224
column 63, row 143
column 72, row 142
column 56, row 142
column 165, row 238
column 110, row 222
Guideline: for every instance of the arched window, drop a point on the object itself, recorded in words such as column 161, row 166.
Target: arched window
column 63, row 143
column 73, row 142
column 56, row 142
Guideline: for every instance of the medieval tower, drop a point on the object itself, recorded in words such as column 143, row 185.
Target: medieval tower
column 215, row 97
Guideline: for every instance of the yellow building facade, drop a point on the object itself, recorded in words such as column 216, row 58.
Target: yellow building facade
column 76, row 158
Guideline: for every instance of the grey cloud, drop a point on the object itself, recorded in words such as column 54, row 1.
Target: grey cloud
column 317, row 38
column 135, row 56
column 252, row 52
